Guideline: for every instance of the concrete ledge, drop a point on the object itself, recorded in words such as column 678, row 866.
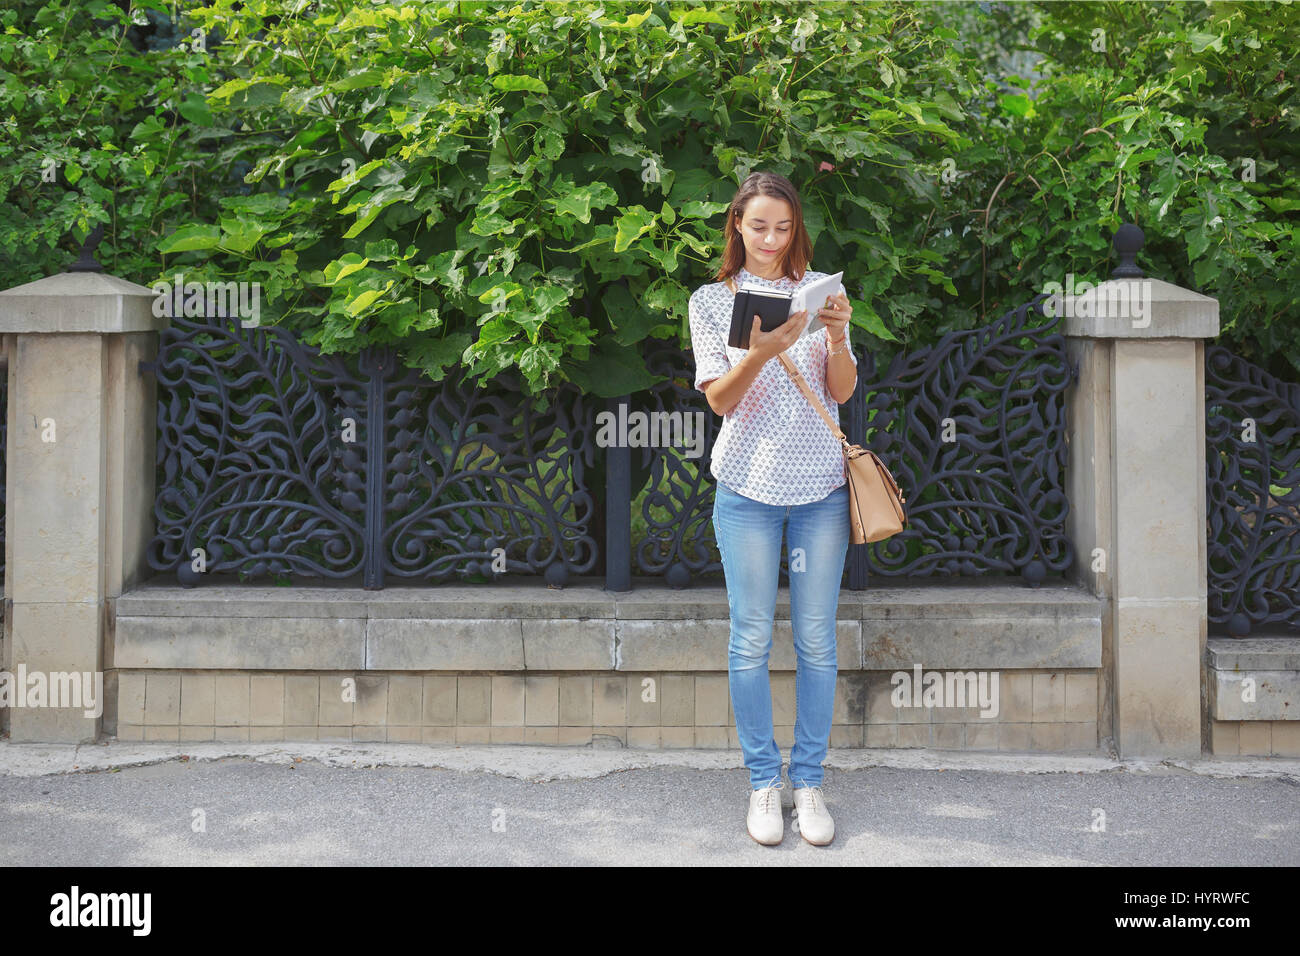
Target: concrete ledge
column 239, row 643
column 1279, row 653
column 976, row 598
column 527, row 626
column 561, row 644
column 459, row 644
column 1272, row 663
column 422, row 603
column 1029, row 641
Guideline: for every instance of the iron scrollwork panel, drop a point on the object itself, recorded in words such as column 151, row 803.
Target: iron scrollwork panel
column 678, row 507
column 973, row 428
column 1252, row 459
column 481, row 482
column 255, row 473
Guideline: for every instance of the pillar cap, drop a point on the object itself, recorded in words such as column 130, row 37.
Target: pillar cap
column 1138, row 309
column 79, row 302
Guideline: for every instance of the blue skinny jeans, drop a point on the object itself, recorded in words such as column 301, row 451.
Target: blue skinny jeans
column 749, row 539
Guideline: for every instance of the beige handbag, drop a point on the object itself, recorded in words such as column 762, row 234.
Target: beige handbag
column 876, row 503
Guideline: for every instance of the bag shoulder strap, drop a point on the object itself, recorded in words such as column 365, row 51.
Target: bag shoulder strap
column 812, row 398
column 799, row 380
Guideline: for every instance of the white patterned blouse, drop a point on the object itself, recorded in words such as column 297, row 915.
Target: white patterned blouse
column 773, row 447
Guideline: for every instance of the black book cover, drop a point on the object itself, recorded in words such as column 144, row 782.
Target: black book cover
column 772, row 308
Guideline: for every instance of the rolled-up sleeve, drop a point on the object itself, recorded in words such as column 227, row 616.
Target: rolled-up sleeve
column 707, row 344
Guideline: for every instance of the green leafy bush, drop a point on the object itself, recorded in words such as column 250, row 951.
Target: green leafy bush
column 539, row 185
column 103, row 120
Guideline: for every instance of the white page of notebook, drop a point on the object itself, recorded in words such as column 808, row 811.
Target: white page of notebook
column 812, row 297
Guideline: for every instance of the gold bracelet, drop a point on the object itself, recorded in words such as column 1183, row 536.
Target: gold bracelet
column 843, row 346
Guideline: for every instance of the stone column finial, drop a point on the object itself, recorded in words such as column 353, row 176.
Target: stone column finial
column 1128, row 242
column 86, row 261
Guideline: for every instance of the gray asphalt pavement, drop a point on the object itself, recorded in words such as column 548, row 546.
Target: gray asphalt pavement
column 336, row 805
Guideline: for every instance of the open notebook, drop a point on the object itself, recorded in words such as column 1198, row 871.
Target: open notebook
column 774, row 308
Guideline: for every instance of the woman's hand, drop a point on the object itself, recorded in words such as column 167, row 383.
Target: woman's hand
column 767, row 345
column 835, row 316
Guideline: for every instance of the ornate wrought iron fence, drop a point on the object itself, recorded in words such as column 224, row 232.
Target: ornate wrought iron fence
column 974, row 427
column 276, row 460
column 1252, row 459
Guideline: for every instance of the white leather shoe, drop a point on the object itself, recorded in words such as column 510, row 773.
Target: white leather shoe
column 811, row 818
column 764, row 820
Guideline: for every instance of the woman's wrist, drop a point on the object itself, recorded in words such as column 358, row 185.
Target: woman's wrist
column 839, row 344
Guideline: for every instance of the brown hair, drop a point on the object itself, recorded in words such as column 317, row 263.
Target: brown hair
column 798, row 253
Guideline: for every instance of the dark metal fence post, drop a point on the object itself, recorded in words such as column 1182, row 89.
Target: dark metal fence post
column 618, row 510
column 377, row 365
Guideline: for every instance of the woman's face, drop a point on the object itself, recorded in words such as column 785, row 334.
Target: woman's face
column 765, row 229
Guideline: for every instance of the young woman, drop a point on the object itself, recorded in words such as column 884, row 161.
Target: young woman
column 778, row 467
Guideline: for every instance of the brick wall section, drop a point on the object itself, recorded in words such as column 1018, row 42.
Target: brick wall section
column 1043, row 711
column 1255, row 738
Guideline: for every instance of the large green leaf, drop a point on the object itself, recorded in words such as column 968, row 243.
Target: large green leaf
column 510, row 83
column 635, row 222
column 190, row 238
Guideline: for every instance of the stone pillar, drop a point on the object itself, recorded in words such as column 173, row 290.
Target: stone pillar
column 80, row 480
column 1136, row 481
